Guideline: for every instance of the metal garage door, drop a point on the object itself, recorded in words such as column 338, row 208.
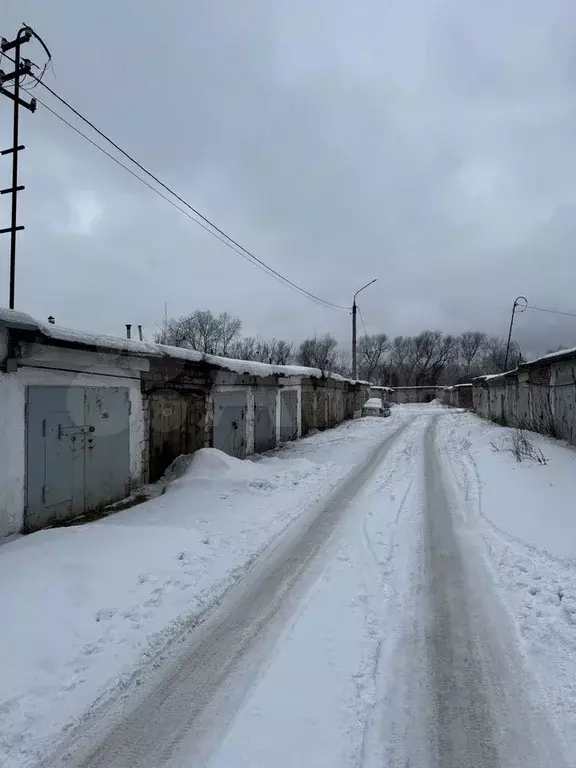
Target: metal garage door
column 230, row 423
column 288, row 415
column 264, row 420
column 176, row 427
column 77, row 451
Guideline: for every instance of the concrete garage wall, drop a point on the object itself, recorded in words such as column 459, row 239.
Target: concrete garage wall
column 459, row 396
column 384, row 393
column 309, row 404
column 400, row 395
column 358, row 393
column 336, row 397
column 326, row 403
column 563, row 401
column 540, row 396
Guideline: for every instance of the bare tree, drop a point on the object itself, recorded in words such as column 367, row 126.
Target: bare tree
column 398, row 360
column 173, row 333
column 370, row 352
column 495, row 355
column 343, row 363
column 274, row 352
column 245, row 349
column 431, row 357
column 470, row 347
column 230, row 328
column 202, row 331
column 206, row 333
column 281, row 352
column 429, row 353
column 318, row 352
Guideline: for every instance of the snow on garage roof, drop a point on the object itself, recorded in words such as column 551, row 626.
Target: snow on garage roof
column 23, row 321
column 551, row 357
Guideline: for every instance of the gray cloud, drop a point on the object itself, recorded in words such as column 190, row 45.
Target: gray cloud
column 429, row 144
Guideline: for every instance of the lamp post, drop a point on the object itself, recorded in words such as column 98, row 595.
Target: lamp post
column 517, row 303
column 354, row 310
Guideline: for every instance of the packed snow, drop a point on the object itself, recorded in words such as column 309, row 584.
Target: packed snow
column 331, row 584
column 524, row 512
column 85, row 609
column 316, row 704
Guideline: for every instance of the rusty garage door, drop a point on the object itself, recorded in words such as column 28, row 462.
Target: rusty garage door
column 176, row 427
column 264, row 420
column 77, row 451
column 288, row 415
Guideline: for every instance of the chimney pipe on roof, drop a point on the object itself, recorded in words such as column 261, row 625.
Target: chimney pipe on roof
column 140, row 336
column 51, row 320
column 128, row 330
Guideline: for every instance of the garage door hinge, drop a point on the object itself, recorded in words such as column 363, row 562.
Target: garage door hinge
column 43, row 494
column 43, row 427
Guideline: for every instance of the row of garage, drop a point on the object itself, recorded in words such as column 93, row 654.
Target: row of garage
column 87, row 419
column 539, row 395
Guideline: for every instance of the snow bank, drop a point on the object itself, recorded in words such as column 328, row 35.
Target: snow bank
column 86, row 609
column 539, row 509
column 210, row 463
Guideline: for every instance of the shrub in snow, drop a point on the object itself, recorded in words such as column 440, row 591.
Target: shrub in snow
column 518, row 444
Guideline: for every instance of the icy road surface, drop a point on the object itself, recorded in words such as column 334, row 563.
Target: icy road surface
column 375, row 630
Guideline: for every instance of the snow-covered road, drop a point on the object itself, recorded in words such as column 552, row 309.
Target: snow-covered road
column 379, row 626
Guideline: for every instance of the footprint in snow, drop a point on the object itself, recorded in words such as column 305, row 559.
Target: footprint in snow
column 91, row 649
column 105, row 614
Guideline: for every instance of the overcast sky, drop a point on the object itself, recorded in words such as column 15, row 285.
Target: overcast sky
column 428, row 143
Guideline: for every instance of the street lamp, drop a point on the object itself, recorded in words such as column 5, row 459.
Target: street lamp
column 354, row 310
column 519, row 305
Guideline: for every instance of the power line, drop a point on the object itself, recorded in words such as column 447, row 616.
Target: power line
column 208, row 225
column 551, row 311
column 158, row 192
column 362, row 321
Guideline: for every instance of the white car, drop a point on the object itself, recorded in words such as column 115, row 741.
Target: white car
column 375, row 407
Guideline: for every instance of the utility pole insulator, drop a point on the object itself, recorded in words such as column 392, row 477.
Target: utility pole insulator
column 24, row 36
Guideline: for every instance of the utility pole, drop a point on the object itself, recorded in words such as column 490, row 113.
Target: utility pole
column 518, row 306
column 22, row 67
column 354, row 362
column 354, row 311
